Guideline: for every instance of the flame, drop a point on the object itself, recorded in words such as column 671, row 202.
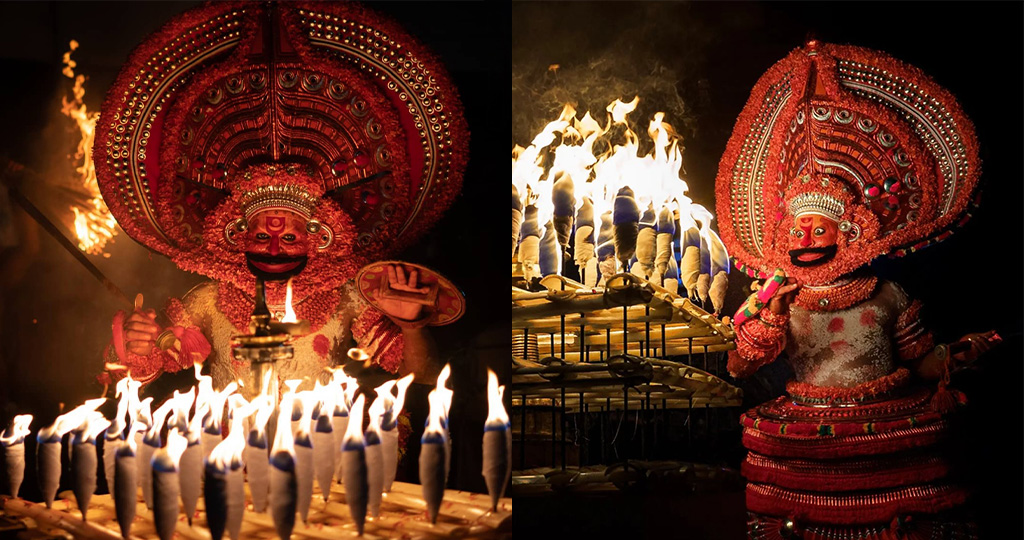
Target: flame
column 344, row 389
column 183, row 404
column 228, row 453
column 18, row 430
column 402, row 385
column 265, row 384
column 384, row 395
column 289, row 313
column 435, row 418
column 143, row 414
column 176, row 445
column 377, row 410
column 283, row 439
column 135, row 427
column 264, row 410
column 325, row 397
column 566, row 146
column 444, row 395
column 94, row 225
column 496, row 415
column 70, row 421
column 354, row 432
column 216, row 403
column 308, row 400
column 159, row 417
column 93, row 425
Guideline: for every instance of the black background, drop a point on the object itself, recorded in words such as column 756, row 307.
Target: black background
column 699, row 61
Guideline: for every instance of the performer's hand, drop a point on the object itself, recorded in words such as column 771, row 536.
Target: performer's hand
column 399, row 280
column 974, row 345
column 141, row 330
column 784, row 296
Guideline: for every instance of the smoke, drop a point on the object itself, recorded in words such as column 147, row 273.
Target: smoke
column 589, row 54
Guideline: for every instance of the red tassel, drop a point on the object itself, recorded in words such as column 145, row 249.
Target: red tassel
column 193, row 344
column 945, row 400
column 118, row 329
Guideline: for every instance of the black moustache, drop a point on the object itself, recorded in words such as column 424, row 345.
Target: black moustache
column 828, row 253
column 273, row 259
column 270, row 259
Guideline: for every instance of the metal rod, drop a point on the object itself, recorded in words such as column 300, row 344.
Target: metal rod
column 647, row 329
column 625, row 412
column 562, row 427
column 584, row 436
column 625, row 330
column 522, row 437
column 554, row 440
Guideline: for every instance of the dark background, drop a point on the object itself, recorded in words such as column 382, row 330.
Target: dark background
column 698, row 62
column 55, row 318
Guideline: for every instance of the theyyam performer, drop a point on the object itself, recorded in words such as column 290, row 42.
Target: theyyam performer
column 290, row 140
column 841, row 155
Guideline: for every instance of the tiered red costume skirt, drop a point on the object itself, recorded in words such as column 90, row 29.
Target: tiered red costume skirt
column 847, row 464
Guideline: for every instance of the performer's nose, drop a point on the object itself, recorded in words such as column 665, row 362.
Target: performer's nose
column 274, row 246
column 806, row 240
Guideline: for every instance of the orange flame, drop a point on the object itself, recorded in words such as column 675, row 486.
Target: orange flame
column 289, row 313
column 176, row 445
column 436, row 415
column 308, row 400
column 94, row 225
column 655, row 178
column 70, row 420
column 402, row 385
column 496, row 414
column 283, row 439
column 444, row 395
column 228, row 453
column 93, row 425
column 18, row 430
column 354, row 432
column 377, row 410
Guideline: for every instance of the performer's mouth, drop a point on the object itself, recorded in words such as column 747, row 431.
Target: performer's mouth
column 812, row 256
column 275, row 268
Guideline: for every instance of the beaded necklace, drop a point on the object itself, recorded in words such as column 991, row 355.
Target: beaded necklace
column 836, row 296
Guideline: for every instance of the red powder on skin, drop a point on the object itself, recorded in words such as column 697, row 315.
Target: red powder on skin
column 835, row 325
column 321, row 345
column 838, row 347
column 867, row 318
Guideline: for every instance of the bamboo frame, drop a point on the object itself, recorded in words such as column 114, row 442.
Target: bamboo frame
column 402, row 516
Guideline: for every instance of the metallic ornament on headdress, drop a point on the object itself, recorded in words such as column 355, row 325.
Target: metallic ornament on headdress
column 854, row 135
column 289, row 197
column 817, row 203
column 330, row 87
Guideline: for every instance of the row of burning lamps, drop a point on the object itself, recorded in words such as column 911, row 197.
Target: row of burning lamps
column 323, row 437
column 624, row 211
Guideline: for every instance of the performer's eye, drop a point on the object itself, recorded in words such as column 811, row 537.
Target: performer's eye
column 819, row 231
column 288, row 238
column 262, row 236
column 799, row 234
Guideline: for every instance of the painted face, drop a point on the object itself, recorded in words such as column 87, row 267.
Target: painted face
column 812, row 240
column 277, row 244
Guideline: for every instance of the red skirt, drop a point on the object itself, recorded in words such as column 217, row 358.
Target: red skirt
column 860, row 459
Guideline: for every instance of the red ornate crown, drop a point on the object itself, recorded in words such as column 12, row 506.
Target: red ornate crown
column 341, row 93
column 854, row 135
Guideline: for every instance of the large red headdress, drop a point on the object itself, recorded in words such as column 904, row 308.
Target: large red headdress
column 854, row 135
column 330, row 94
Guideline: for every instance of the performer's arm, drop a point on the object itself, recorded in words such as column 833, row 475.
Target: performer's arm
column 762, row 338
column 397, row 345
column 916, row 345
column 759, row 341
column 134, row 345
